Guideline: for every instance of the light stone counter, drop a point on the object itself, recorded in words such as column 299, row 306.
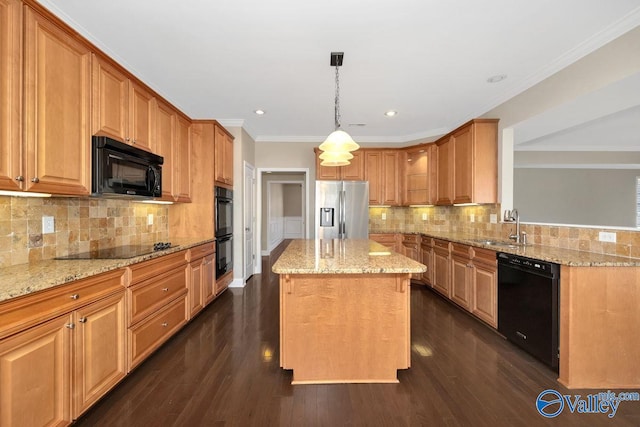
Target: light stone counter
column 24, row 279
column 337, row 256
column 544, row 253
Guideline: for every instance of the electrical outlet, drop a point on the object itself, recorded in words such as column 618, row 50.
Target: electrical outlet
column 493, row 218
column 425, row 217
column 472, row 217
column 48, row 225
column 604, row 236
column 384, row 216
column 150, row 219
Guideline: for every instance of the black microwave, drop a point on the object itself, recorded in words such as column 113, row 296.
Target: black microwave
column 121, row 170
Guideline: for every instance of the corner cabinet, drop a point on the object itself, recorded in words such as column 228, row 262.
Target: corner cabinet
column 420, row 176
column 383, row 173
column 57, row 94
column 223, row 157
column 468, row 164
column 354, row 171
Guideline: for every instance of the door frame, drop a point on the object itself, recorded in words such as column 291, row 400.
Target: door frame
column 307, row 229
column 246, row 168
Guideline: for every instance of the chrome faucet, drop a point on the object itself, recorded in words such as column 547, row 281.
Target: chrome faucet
column 513, row 216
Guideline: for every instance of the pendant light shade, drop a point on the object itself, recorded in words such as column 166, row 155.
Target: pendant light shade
column 339, row 143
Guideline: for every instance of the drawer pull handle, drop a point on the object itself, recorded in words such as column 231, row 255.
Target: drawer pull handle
column 165, row 324
column 35, row 180
column 82, row 320
column 70, row 325
column 165, row 289
column 75, row 296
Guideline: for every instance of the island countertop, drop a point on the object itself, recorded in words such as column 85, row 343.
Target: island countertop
column 342, row 256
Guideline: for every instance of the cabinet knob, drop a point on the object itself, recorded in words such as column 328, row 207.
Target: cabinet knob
column 127, row 139
column 165, row 324
column 165, row 289
column 19, row 178
column 469, row 265
column 82, row 320
column 75, row 296
column 35, row 179
column 70, row 325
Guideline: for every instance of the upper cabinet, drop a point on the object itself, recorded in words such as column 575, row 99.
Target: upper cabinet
column 420, row 177
column 354, row 171
column 11, row 147
column 57, row 94
column 122, row 108
column 182, row 159
column 382, row 172
column 468, row 164
column 223, row 157
column 163, row 145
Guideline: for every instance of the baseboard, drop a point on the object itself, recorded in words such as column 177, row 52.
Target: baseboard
column 237, row 283
column 265, row 253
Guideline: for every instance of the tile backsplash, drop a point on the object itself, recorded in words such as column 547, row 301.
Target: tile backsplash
column 458, row 219
column 81, row 224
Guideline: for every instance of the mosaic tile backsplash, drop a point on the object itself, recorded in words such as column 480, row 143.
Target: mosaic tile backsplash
column 81, row 224
column 458, row 219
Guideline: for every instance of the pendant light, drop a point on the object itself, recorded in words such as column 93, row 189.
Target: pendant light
column 339, row 143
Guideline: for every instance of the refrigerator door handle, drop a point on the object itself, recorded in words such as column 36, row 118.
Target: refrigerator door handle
column 343, row 216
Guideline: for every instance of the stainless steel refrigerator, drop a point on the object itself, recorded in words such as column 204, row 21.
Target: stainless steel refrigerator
column 342, row 210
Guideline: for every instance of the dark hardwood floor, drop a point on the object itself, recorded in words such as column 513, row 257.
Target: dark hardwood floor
column 223, row 369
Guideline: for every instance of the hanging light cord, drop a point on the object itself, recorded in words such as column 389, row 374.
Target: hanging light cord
column 337, row 98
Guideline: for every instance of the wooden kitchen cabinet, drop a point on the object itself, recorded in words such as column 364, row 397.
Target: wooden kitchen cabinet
column 426, row 252
column 382, row 172
column 441, row 267
column 223, row 157
column 411, row 249
column 163, row 145
column 461, row 275
column 201, row 284
column 11, row 146
column 468, row 164
column 223, row 282
column 354, row 171
column 484, row 302
column 419, row 188
column 182, row 160
column 64, row 346
column 57, row 94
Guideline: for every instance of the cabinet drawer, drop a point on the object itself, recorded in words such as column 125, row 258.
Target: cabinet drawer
column 149, row 334
column 409, row 238
column 20, row 313
column 150, row 295
column 426, row 242
column 484, row 255
column 223, row 282
column 442, row 244
column 153, row 267
column 460, row 249
column 200, row 251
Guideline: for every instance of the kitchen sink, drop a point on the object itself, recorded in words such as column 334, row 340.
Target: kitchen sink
column 499, row 243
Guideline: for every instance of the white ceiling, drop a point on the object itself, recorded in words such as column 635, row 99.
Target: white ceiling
column 427, row 59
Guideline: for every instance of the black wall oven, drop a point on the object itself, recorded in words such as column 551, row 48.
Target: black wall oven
column 223, row 225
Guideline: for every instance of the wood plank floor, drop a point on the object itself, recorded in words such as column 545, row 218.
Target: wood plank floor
column 223, row 370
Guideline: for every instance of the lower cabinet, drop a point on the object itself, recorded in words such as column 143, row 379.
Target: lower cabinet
column 70, row 352
column 426, row 253
column 485, row 286
column 461, row 275
column 201, row 277
column 441, row 266
column 410, row 249
column 222, row 283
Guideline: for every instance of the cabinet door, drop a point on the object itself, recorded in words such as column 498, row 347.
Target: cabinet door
column 427, row 259
column 485, row 289
column 444, row 187
column 461, row 281
column 373, row 170
column 100, row 356
column 110, row 103
column 441, row 271
column 182, row 156
column 35, row 376
column 11, row 148
column 57, row 95
column 354, row 171
column 208, row 278
column 141, row 111
column 325, row 173
column 391, row 178
column 417, row 186
column 463, row 165
column 223, row 158
column 228, row 155
column 163, row 145
column 195, row 300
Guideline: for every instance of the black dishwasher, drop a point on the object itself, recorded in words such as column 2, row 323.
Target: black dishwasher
column 528, row 305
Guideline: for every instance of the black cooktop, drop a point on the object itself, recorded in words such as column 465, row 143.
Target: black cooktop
column 120, row 252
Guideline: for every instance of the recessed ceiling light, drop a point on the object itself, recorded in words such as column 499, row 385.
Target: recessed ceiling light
column 497, row 78
column 391, row 113
column 260, row 112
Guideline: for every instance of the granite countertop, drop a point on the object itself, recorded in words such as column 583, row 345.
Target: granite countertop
column 350, row 256
column 562, row 256
column 24, row 279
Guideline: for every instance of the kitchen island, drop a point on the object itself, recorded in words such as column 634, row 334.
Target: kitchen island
column 344, row 311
